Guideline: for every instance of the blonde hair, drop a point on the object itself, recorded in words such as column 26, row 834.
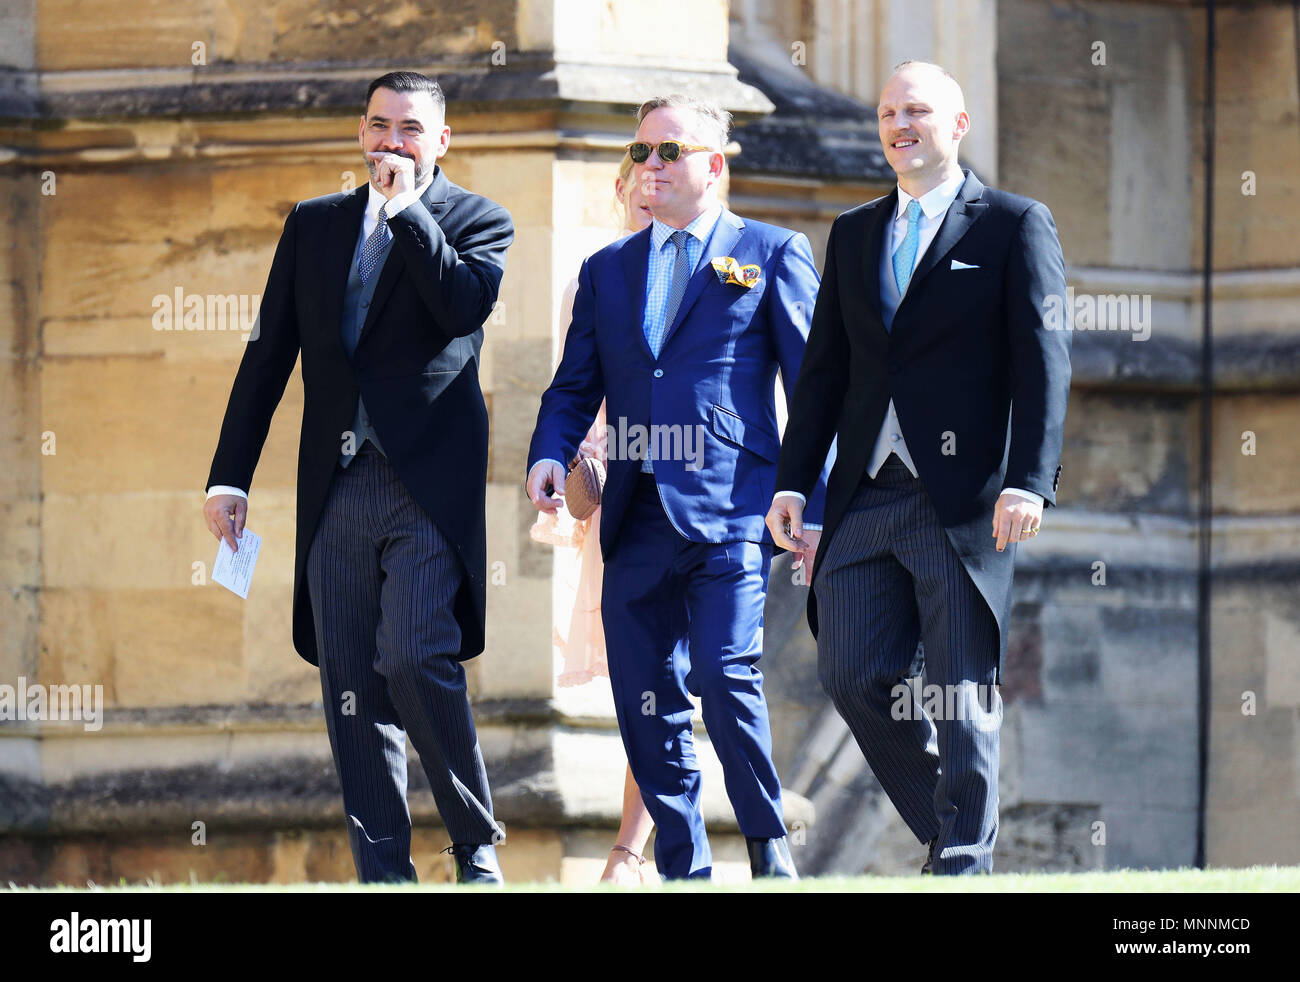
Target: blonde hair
column 714, row 122
column 619, row 210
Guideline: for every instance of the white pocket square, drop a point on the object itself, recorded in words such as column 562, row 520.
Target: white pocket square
column 958, row 264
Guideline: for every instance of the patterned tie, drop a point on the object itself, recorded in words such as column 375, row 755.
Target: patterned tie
column 905, row 257
column 676, row 290
column 373, row 247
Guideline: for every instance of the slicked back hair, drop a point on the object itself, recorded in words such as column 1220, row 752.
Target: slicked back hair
column 409, row 82
column 714, row 126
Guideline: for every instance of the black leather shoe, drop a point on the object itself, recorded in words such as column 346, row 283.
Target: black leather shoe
column 928, row 868
column 476, row 864
column 771, row 857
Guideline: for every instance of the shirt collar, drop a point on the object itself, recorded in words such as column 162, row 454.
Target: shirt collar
column 935, row 201
column 701, row 228
column 377, row 200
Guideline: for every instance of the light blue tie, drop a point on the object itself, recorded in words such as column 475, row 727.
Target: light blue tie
column 905, row 257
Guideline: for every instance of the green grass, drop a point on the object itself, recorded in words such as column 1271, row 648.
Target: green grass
column 1255, row 879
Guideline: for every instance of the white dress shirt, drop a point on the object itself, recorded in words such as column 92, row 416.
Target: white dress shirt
column 368, row 223
column 934, row 206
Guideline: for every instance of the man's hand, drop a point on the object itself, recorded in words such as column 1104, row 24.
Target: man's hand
column 394, row 173
column 1015, row 519
column 225, row 515
column 813, row 538
column 545, row 479
column 785, row 522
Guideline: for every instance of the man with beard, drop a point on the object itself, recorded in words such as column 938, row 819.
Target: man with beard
column 384, row 290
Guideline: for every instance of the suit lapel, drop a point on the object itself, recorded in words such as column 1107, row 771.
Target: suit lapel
column 962, row 214
column 636, row 259
column 726, row 233
column 434, row 200
column 877, row 235
column 340, row 246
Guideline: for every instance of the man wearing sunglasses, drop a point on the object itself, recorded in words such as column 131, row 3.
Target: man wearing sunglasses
column 683, row 327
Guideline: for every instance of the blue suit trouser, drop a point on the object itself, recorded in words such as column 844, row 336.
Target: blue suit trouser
column 661, row 590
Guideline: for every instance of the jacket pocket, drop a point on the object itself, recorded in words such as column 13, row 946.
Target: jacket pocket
column 734, row 429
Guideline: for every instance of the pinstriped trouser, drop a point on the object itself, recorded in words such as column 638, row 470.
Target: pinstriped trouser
column 889, row 577
column 382, row 580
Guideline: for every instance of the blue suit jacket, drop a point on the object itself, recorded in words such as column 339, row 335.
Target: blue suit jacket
column 714, row 378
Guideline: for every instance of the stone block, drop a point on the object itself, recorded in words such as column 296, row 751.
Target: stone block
column 1266, row 480
column 1124, row 451
column 19, row 613
column 147, row 647
column 1253, row 760
column 120, row 34
column 418, row 32
column 1132, row 755
column 1072, row 652
column 148, row 425
column 629, row 30
column 20, row 561
column 521, row 181
column 1257, row 230
column 1251, row 833
column 1149, row 837
column 153, row 540
column 529, row 296
column 23, row 429
column 1282, row 660
column 1149, row 659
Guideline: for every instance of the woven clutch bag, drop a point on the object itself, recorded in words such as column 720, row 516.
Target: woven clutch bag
column 583, row 486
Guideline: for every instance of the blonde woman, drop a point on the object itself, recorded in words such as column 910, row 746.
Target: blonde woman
column 583, row 648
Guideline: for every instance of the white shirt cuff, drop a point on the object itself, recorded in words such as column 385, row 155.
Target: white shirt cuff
column 226, row 489
column 1028, row 495
column 803, row 501
column 400, row 202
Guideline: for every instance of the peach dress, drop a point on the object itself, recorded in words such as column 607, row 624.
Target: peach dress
column 583, row 648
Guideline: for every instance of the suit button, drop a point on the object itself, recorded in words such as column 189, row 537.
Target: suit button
column 659, row 373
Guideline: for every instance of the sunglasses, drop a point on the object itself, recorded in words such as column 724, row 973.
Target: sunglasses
column 668, row 151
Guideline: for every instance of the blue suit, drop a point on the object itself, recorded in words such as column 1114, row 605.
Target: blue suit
column 687, row 554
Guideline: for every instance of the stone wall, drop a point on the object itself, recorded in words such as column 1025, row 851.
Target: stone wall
column 156, row 148
column 169, row 174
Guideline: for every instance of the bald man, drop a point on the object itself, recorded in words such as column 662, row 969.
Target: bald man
column 931, row 359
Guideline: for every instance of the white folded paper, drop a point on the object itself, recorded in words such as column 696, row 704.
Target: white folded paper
column 234, row 570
